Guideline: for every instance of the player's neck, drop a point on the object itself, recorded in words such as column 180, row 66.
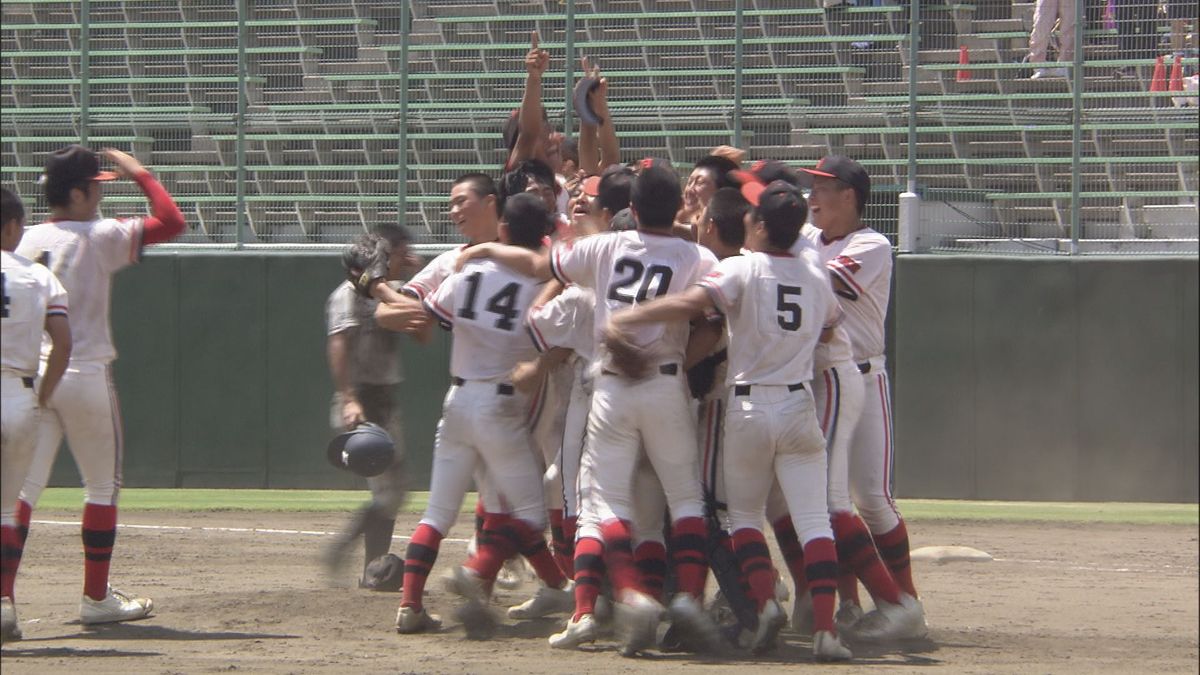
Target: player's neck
column 76, row 213
column 722, row 251
column 831, row 232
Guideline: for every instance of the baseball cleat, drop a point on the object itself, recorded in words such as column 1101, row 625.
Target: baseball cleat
column 545, row 601
column 696, row 629
column 9, row 629
column 802, row 614
column 576, row 633
column 409, row 620
column 828, row 647
column 512, row 574
column 770, row 620
column 474, row 613
column 782, row 592
column 904, row 621
column 637, row 617
column 848, row 616
column 116, row 606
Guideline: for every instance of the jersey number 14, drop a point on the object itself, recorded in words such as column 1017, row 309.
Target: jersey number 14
column 502, row 304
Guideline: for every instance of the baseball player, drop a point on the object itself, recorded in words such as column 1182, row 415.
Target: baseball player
column 484, row 420
column 365, row 367
column 859, row 261
column 84, row 251
column 709, row 174
column 33, row 301
column 777, row 306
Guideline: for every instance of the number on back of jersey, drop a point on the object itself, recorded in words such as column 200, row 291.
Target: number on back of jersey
column 630, row 274
column 502, row 304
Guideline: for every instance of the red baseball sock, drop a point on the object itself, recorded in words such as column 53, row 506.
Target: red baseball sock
column 754, row 558
column 822, row 570
column 492, row 548
column 688, row 539
column 893, row 547
column 99, row 533
column 480, row 515
column 10, row 557
column 589, row 574
column 856, row 551
column 532, row 544
column 793, row 552
column 24, row 517
column 618, row 555
column 651, row 560
column 418, row 561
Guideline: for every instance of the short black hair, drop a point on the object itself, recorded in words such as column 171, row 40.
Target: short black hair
column 616, row 183
column 656, row 196
column 11, row 207
column 727, row 210
column 720, row 167
column 782, row 210
column 481, row 184
column 569, row 149
column 527, row 219
column 394, row 233
column 516, row 181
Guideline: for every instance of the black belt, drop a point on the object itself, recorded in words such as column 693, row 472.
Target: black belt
column 744, row 389
column 503, row 389
column 665, row 369
column 28, row 382
column 864, row 367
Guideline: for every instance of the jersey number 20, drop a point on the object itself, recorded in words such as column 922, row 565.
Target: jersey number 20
column 502, row 304
column 629, row 272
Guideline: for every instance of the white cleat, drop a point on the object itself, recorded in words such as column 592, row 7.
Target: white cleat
column 828, row 647
column 514, row 573
column 9, row 629
column 848, row 616
column 770, row 620
column 637, row 618
column 904, row 621
column 802, row 614
column 474, row 613
column 545, row 601
column 576, row 633
column 409, row 620
column 696, row 629
column 116, row 606
column 782, row 592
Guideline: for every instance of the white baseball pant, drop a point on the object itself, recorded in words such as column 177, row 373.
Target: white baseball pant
column 550, row 428
column 481, row 425
column 85, row 408
column 570, row 451
column 18, row 438
column 871, row 457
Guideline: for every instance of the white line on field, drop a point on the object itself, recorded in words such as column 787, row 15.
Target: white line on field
column 240, row 530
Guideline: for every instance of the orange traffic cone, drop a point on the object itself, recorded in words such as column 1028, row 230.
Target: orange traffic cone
column 1177, row 74
column 1159, row 81
column 963, row 60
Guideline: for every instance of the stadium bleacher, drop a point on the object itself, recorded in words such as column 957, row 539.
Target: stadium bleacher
column 323, row 120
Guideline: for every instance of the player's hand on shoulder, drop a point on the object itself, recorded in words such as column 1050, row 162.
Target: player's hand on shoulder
column 625, row 357
column 470, row 253
column 125, row 164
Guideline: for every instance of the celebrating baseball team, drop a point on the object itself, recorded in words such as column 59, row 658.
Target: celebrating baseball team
column 653, row 369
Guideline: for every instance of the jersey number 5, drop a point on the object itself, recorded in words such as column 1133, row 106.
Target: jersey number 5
column 502, row 304
column 629, row 272
column 789, row 311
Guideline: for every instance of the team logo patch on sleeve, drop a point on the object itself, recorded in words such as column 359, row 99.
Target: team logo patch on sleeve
column 849, row 263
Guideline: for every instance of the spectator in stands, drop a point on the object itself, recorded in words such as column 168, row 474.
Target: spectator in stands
column 709, row 174
column 1182, row 14
column 1137, row 32
column 1045, row 14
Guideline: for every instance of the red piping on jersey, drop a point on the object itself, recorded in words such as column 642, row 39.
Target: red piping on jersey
column 713, row 287
column 165, row 221
column 537, row 334
column 841, row 270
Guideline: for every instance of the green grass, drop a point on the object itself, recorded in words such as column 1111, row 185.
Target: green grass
column 147, row 499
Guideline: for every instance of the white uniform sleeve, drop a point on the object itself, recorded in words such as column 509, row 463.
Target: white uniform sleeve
column 573, row 262
column 432, row 275
column 56, row 295
column 440, row 304
column 554, row 323
column 726, row 282
column 833, row 309
column 118, row 241
column 861, row 263
column 339, row 310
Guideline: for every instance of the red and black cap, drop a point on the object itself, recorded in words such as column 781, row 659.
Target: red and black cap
column 844, row 169
column 73, row 165
column 762, row 172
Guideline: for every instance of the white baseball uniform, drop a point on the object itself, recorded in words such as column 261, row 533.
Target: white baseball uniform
column 776, row 307
column 862, row 260
column 31, row 293
column 484, row 418
column 624, row 269
column 84, row 256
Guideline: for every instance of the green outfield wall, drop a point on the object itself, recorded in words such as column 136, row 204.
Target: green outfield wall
column 1029, row 379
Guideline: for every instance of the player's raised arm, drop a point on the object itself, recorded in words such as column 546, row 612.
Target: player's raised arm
column 165, row 221
column 530, row 121
column 690, row 304
column 598, row 145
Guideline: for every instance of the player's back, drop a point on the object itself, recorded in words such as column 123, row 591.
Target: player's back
column 485, row 304
column 29, row 294
column 84, row 256
column 775, row 320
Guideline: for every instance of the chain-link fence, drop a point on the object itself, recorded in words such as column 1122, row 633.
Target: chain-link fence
column 283, row 122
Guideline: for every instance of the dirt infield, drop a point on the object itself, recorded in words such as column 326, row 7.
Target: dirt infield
column 1058, row 598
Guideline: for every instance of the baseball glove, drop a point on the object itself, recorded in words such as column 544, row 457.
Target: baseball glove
column 625, row 357
column 366, row 265
column 385, row 573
